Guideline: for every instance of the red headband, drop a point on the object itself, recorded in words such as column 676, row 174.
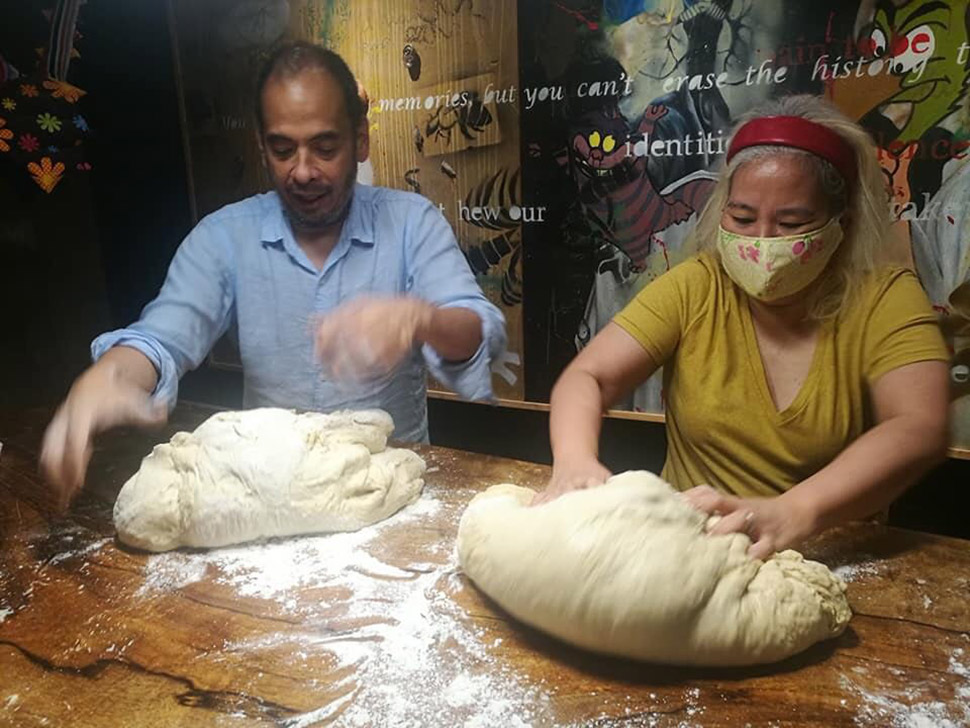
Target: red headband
column 794, row 131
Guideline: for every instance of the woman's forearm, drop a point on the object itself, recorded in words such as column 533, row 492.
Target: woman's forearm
column 871, row 473
column 575, row 416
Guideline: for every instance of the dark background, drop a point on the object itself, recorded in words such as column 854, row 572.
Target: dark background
column 88, row 257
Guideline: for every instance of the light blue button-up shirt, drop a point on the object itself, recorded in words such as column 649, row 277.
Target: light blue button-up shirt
column 241, row 270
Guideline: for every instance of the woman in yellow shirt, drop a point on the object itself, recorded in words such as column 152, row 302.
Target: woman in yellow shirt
column 805, row 383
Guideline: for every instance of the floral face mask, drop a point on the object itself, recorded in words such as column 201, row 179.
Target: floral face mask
column 771, row 268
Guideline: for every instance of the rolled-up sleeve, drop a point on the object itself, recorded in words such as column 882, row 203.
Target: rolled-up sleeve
column 193, row 309
column 437, row 271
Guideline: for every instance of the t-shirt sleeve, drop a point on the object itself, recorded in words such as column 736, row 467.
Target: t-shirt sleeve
column 902, row 328
column 659, row 313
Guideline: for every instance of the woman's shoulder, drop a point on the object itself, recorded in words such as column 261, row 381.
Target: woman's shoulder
column 696, row 270
column 693, row 286
column 891, row 280
column 890, row 289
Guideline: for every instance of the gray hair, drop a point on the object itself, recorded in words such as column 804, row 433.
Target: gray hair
column 830, row 180
column 865, row 202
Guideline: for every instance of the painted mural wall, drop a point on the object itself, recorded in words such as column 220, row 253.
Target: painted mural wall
column 571, row 143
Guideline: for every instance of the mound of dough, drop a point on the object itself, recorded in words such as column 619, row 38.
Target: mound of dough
column 627, row 569
column 259, row 473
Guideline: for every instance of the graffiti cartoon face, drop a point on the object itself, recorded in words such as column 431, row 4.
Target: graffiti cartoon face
column 599, row 142
column 920, row 42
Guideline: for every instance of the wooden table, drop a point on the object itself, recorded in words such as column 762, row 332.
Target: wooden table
column 93, row 634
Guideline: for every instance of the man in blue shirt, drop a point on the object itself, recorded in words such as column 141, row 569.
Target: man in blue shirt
column 342, row 295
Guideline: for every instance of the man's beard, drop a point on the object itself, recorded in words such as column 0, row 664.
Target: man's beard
column 324, row 220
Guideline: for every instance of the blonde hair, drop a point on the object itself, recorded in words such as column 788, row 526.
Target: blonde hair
column 866, row 203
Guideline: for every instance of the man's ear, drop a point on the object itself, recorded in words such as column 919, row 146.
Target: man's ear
column 259, row 144
column 363, row 140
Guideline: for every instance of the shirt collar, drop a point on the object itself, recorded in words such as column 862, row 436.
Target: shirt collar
column 273, row 226
column 358, row 227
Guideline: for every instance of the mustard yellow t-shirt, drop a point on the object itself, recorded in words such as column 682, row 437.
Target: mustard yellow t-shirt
column 723, row 428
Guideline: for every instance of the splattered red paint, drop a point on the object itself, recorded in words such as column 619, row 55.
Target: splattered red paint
column 592, row 25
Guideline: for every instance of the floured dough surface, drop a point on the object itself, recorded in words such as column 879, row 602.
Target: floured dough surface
column 627, row 569
column 259, row 473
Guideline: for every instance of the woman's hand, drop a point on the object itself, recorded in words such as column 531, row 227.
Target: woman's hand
column 772, row 524
column 569, row 475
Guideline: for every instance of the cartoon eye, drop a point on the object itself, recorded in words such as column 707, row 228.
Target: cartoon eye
column 594, row 139
column 915, row 47
column 877, row 43
column 609, row 143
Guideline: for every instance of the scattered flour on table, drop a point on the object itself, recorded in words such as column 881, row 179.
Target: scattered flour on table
column 894, row 708
column 853, row 572
column 83, row 551
column 418, row 659
column 70, row 541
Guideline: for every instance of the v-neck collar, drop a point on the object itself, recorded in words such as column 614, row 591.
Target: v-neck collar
column 757, row 367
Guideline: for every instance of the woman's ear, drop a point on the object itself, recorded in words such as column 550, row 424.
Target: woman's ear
column 846, row 222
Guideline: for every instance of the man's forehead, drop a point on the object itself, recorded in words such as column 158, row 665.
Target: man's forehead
column 308, row 80
column 307, row 94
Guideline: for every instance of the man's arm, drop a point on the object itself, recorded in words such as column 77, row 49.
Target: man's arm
column 454, row 333
column 193, row 309
column 468, row 331
column 135, row 376
column 114, row 391
column 442, row 310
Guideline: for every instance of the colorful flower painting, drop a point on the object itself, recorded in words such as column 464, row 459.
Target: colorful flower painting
column 29, row 90
column 9, row 104
column 80, row 123
column 48, row 122
column 46, row 174
column 64, row 90
column 5, row 134
column 29, row 143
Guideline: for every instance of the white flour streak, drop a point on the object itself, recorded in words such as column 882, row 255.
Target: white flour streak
column 75, row 553
column 853, row 572
column 417, row 658
column 896, row 708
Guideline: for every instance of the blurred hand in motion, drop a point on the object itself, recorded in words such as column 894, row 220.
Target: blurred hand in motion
column 99, row 400
column 368, row 338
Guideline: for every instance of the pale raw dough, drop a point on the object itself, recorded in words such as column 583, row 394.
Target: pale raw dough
column 627, row 569
column 242, row 476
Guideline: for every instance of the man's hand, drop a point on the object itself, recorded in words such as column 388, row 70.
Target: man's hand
column 772, row 524
column 99, row 400
column 368, row 338
column 570, row 475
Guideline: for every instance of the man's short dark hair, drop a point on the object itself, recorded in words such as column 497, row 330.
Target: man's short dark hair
column 292, row 59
